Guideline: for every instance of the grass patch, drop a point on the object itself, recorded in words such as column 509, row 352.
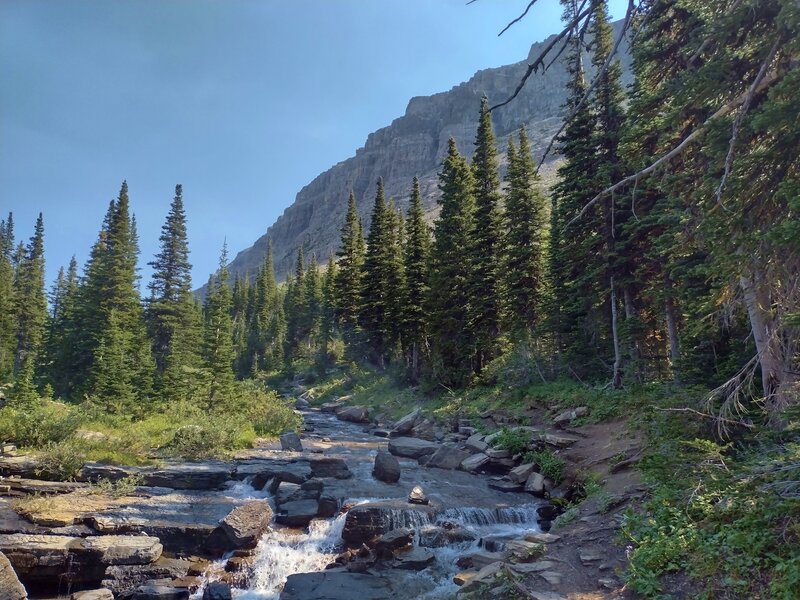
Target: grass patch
column 548, row 463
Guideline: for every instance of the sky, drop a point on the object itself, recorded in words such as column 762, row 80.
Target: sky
column 243, row 102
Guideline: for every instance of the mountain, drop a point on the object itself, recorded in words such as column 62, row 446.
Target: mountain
column 414, row 144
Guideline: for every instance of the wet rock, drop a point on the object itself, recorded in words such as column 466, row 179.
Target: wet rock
column 475, row 463
column 475, row 442
column 521, row 473
column 464, row 577
column 44, row 558
column 504, row 484
column 542, row 538
column 328, row 507
column 447, row 457
column 353, row 414
column 381, row 433
column 290, row 442
column 410, row 447
column 339, row 585
column 297, row 513
column 331, row 407
column 387, row 467
column 415, row 559
column 160, row 592
column 485, row 576
column 365, row 522
column 404, row 426
column 392, row 541
column 499, row 465
column 438, row 537
column 548, row 512
column 480, row 559
column 417, row 496
column 10, row 586
column 210, row 475
column 301, row 404
column 569, row 415
column 101, row 594
column 217, row 590
column 525, row 551
column 536, row 485
column 123, row 578
column 243, row 526
column 330, row 467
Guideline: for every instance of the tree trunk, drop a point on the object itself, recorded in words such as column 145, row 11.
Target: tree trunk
column 632, row 316
column 617, row 377
column 671, row 314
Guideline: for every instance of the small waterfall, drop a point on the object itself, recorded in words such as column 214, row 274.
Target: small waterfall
column 284, row 552
column 510, row 515
column 401, row 517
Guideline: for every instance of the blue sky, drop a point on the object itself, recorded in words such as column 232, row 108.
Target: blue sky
column 241, row 101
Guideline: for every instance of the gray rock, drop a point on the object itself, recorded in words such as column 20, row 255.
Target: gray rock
column 447, row 457
column 505, row 485
column 331, row 407
column 521, row 473
column 209, row 475
column 569, row 415
column 301, row 404
column 290, row 442
column 475, row 463
column 394, row 540
column 536, row 485
column 246, row 524
column 10, row 586
column 330, row 467
column 497, row 453
column 417, row 496
column 425, row 429
column 353, row 414
column 387, row 467
column 328, row 507
column 412, row 447
column 101, row 594
column 415, row 559
column 297, row 513
column 366, row 522
column 404, row 426
column 123, row 578
column 475, row 442
column 217, row 590
column 160, row 592
column 339, row 585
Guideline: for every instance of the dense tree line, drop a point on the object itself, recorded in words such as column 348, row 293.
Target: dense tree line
column 667, row 249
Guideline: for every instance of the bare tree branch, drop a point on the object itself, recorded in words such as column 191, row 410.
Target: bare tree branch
column 737, row 124
column 518, row 19
column 626, row 24
column 766, row 81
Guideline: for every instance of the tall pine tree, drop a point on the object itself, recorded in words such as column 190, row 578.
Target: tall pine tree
column 416, row 256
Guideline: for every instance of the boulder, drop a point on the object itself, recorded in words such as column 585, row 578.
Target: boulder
column 483, row 577
column 521, row 473
column 217, row 590
column 394, row 540
column 504, row 484
column 101, row 594
column 353, row 414
column 290, row 442
column 38, row 558
column 22, row 466
column 301, row 404
column 536, row 485
column 417, row 496
column 438, row 537
column 410, row 447
column 569, row 415
column 328, row 507
column 475, row 463
column 330, row 467
column 425, row 429
column 123, row 578
column 559, row 440
column 245, row 524
column 548, row 512
column 340, row 585
column 331, row 407
column 404, row 426
column 415, row 559
column 447, row 457
column 10, row 587
column 365, row 522
column 497, row 453
column 297, row 513
column 475, row 443
column 387, row 467
column 160, row 592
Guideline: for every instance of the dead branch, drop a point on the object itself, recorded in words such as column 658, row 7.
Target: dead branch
column 737, row 124
column 595, row 81
column 533, row 67
column 706, row 416
column 519, row 18
column 766, row 82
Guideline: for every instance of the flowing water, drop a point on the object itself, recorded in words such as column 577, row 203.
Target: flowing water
column 482, row 517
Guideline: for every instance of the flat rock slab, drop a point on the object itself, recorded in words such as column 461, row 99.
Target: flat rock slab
column 160, row 592
column 338, row 585
column 415, row 559
column 46, row 557
column 123, row 578
column 38, row 486
column 412, row 447
column 211, row 475
column 101, row 594
column 447, row 457
column 23, row 466
column 297, row 513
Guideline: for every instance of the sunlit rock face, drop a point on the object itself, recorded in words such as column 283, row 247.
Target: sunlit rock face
column 413, row 145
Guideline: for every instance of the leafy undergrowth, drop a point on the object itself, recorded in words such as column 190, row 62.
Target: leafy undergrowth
column 725, row 515
column 66, row 435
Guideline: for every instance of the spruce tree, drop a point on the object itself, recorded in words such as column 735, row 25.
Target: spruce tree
column 327, row 330
column 486, row 244
column 452, row 341
column 8, row 345
column 350, row 278
column 525, row 258
column 59, row 329
column 416, row 256
column 295, row 310
column 218, row 335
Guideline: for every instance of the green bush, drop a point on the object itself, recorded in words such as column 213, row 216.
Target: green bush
column 60, row 461
column 514, row 440
column 548, row 463
column 38, row 423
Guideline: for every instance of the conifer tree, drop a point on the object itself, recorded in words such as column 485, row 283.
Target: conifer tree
column 416, row 256
column 218, row 334
column 312, row 303
column 486, row 247
column 525, row 266
column 59, row 329
column 8, row 345
column 349, row 279
column 452, row 340
column 170, row 310
column 295, row 310
column 327, row 314
column 267, row 325
column 31, row 314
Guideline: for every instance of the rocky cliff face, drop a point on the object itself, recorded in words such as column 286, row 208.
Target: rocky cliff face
column 413, row 144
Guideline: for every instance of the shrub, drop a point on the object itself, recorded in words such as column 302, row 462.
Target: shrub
column 38, row 423
column 61, row 461
column 548, row 463
column 514, row 440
